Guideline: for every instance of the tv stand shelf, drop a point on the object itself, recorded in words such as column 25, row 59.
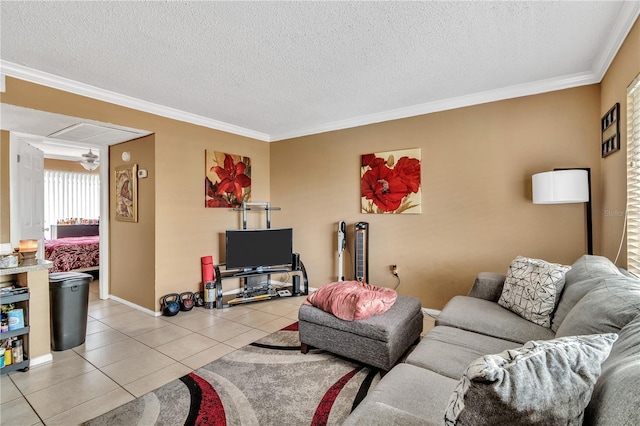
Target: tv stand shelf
column 255, row 273
column 250, row 295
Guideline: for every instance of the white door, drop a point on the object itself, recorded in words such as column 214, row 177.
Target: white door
column 29, row 194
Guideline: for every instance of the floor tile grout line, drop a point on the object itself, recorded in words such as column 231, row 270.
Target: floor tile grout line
column 277, row 315
column 146, row 375
column 161, row 353
column 42, row 420
column 91, row 399
column 23, row 396
column 81, row 355
column 129, row 337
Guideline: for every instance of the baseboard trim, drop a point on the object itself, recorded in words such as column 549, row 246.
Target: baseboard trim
column 158, row 314
column 134, row 306
column 42, row 359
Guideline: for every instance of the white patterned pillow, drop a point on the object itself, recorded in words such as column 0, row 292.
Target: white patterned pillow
column 532, row 289
column 543, row 382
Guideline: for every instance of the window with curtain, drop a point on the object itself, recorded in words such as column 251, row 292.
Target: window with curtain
column 70, row 195
column 633, row 177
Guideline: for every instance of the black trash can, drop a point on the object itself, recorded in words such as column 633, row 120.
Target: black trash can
column 69, row 302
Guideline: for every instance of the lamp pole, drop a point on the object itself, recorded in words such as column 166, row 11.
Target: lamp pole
column 587, row 207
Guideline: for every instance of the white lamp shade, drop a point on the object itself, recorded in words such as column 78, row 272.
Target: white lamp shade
column 561, row 187
column 89, row 165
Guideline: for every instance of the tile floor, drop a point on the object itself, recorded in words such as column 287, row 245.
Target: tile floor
column 128, row 353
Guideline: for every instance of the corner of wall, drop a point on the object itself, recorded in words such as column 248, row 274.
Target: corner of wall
column 5, row 205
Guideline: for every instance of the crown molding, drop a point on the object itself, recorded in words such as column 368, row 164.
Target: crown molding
column 527, row 89
column 516, row 91
column 629, row 12
column 50, row 80
column 627, row 17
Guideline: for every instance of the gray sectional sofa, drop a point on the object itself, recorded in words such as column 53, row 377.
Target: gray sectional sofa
column 597, row 298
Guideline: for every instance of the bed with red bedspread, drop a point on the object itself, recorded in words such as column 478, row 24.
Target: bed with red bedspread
column 73, row 253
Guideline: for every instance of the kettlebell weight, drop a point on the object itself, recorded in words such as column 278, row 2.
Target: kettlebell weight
column 170, row 304
column 198, row 299
column 187, row 301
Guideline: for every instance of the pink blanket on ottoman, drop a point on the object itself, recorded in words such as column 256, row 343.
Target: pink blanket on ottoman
column 352, row 300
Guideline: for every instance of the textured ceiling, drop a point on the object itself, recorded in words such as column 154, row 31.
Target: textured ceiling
column 274, row 70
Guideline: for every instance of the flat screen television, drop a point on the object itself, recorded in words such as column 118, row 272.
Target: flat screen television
column 258, row 248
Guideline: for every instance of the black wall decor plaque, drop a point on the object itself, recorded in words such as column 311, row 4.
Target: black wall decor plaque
column 610, row 126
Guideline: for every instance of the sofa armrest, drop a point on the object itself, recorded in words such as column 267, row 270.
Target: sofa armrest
column 488, row 286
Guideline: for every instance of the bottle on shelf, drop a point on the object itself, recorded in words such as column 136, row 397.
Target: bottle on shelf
column 16, row 351
column 8, row 359
column 4, row 323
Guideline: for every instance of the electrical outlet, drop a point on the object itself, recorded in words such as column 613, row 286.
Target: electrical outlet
column 394, row 269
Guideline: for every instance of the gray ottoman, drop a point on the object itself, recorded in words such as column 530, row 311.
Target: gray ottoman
column 378, row 341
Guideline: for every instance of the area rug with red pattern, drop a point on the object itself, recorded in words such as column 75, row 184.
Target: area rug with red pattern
column 269, row 382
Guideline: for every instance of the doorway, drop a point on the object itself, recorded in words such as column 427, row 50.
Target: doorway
column 34, row 195
column 50, row 133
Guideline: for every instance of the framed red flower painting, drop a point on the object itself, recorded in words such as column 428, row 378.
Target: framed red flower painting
column 227, row 179
column 390, row 182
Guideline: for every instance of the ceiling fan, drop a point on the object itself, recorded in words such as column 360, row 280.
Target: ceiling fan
column 90, row 161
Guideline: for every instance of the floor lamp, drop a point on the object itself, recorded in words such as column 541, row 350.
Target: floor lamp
column 563, row 186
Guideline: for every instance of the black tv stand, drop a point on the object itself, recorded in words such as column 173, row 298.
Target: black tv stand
column 297, row 271
column 261, row 271
column 247, row 295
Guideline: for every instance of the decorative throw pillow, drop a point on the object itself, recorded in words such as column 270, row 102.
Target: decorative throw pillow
column 532, row 289
column 352, row 300
column 544, row 382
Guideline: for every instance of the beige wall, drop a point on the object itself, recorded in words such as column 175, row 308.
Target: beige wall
column 135, row 251
column 624, row 68
column 67, row 166
column 184, row 229
column 5, row 214
column 477, row 213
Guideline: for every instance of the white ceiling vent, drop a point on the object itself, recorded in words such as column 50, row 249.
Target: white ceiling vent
column 95, row 134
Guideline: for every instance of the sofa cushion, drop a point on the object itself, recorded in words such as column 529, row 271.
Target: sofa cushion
column 586, row 273
column 379, row 413
column 449, row 351
column 532, row 289
column 608, row 307
column 353, row 300
column 485, row 317
column 418, row 392
column 628, row 343
column 615, row 401
column 544, row 382
column 615, row 395
column 488, row 286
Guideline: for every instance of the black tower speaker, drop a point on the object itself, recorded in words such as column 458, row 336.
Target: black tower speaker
column 361, row 242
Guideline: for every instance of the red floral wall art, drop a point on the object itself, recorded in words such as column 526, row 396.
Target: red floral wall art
column 227, row 179
column 390, row 182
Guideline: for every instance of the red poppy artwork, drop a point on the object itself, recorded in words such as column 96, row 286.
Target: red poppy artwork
column 390, row 182
column 227, row 180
